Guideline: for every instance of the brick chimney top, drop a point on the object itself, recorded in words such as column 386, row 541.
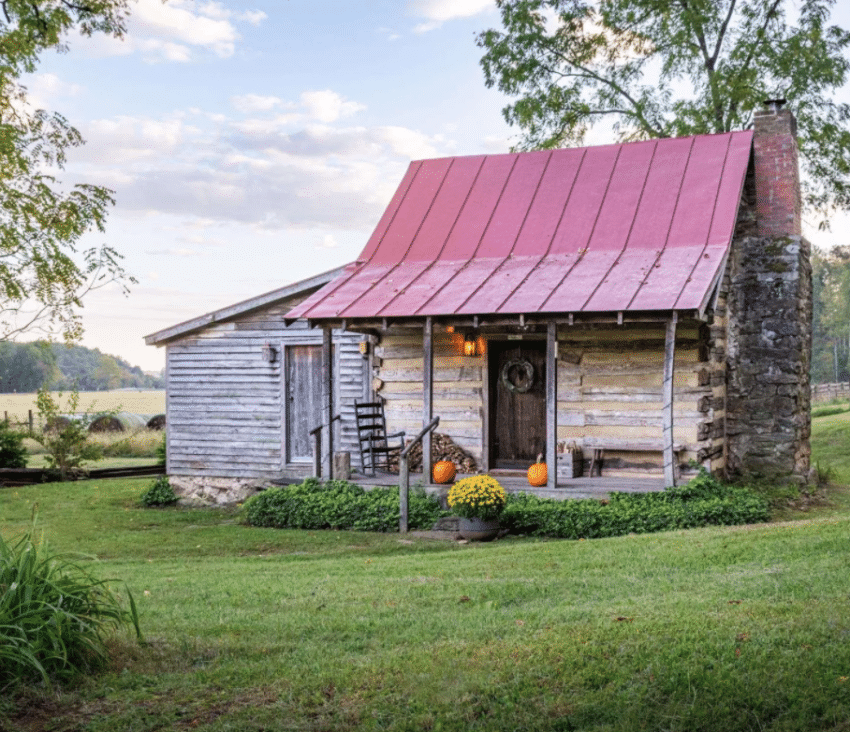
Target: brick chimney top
column 777, row 175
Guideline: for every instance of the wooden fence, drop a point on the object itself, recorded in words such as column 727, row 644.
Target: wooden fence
column 830, row 392
column 28, row 424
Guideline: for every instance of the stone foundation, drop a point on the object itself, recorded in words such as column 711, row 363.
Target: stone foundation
column 206, row 491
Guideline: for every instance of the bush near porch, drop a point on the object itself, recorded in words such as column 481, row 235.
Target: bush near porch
column 703, row 501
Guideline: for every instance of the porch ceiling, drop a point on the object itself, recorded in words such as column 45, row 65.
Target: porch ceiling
column 642, row 226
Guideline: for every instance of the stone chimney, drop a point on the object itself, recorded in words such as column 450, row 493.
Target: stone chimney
column 769, row 311
column 777, row 172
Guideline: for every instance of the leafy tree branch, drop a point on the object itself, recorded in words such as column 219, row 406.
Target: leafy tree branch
column 662, row 68
column 43, row 273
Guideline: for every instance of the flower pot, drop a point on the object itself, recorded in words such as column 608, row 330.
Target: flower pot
column 476, row 529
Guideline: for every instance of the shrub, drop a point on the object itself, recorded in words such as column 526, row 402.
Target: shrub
column 161, row 451
column 338, row 504
column 65, row 439
column 54, row 615
column 13, row 454
column 703, row 501
column 160, row 493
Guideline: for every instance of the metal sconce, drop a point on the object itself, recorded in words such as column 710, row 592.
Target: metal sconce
column 269, row 353
column 470, row 346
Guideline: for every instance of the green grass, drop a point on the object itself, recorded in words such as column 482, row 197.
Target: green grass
column 120, row 450
column 831, row 445
column 742, row 628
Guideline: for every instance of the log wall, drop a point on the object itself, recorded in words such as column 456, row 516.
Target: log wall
column 225, row 414
column 610, row 383
column 458, row 386
column 609, row 389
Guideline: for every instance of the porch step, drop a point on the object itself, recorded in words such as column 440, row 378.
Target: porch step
column 447, row 523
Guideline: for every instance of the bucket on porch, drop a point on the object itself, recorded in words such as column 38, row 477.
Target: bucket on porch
column 342, row 465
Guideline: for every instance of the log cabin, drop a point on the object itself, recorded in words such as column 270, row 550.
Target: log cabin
column 647, row 302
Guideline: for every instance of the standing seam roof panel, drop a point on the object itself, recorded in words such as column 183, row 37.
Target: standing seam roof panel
column 639, row 226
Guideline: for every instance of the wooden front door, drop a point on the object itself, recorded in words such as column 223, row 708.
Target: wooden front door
column 303, row 391
column 518, row 402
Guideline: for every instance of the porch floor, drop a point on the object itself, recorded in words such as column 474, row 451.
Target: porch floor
column 514, row 481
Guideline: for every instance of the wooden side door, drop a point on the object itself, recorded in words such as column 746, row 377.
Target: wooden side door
column 303, row 391
column 517, row 403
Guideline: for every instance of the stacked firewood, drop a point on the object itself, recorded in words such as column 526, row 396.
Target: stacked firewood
column 442, row 448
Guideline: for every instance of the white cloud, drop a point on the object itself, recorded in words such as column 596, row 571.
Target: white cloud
column 328, row 106
column 438, row 12
column 174, row 31
column 254, row 103
column 175, row 252
column 42, row 89
column 328, row 241
column 320, row 175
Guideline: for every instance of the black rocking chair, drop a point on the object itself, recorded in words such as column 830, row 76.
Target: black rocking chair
column 376, row 446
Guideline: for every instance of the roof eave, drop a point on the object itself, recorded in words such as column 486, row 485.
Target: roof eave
column 244, row 307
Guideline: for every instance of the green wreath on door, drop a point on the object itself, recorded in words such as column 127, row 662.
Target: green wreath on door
column 523, row 385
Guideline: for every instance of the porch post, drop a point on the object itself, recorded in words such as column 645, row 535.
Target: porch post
column 427, row 395
column 667, row 411
column 551, row 405
column 328, row 396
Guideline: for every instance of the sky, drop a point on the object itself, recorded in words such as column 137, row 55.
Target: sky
column 254, row 143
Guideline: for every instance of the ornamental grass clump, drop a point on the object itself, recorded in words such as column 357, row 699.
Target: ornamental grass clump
column 54, row 615
column 478, row 496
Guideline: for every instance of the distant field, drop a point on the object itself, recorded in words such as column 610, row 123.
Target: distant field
column 137, row 402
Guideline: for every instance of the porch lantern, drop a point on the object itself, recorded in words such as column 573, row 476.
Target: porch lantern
column 269, row 353
column 470, row 347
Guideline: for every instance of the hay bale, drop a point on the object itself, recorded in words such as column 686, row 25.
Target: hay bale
column 118, row 422
column 157, row 422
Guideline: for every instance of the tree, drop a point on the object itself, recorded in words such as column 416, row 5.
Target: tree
column 43, row 276
column 831, row 315
column 26, row 367
column 666, row 68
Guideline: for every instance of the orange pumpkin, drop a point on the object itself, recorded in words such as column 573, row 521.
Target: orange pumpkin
column 444, row 471
column 538, row 474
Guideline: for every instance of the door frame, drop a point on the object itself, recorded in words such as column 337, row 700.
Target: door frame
column 286, row 351
column 491, row 364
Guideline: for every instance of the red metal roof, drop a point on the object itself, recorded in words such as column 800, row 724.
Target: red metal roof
column 636, row 226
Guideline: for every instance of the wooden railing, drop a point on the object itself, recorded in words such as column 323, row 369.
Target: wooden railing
column 830, row 392
column 404, row 474
column 316, row 434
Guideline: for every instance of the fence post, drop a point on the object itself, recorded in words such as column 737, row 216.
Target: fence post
column 30, row 421
column 403, row 491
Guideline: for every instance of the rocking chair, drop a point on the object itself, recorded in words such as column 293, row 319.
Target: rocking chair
column 376, row 446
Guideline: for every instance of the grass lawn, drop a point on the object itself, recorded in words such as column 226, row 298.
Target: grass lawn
column 259, row 629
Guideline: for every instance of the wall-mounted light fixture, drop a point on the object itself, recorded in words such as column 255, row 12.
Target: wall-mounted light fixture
column 364, row 348
column 269, row 353
column 470, row 345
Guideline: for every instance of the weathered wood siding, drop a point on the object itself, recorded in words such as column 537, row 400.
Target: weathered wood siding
column 226, row 415
column 458, row 386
